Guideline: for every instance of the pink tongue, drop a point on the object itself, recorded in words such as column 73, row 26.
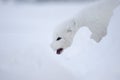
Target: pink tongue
column 59, row 51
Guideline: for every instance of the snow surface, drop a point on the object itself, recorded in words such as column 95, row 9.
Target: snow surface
column 25, row 54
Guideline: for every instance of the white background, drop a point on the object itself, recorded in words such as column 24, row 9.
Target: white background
column 26, row 34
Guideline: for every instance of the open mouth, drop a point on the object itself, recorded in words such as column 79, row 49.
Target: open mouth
column 59, row 51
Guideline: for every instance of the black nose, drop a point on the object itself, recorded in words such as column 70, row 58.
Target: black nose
column 59, row 51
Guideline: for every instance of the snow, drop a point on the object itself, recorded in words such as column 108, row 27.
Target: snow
column 26, row 34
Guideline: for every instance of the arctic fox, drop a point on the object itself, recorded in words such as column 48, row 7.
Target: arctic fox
column 96, row 17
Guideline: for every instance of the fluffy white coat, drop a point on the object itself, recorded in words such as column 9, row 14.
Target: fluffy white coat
column 96, row 17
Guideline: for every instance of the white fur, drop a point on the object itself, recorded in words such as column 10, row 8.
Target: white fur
column 96, row 17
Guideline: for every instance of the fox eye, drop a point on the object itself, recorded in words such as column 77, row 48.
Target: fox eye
column 59, row 38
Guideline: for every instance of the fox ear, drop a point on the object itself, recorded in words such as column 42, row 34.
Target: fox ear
column 74, row 23
column 69, row 30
